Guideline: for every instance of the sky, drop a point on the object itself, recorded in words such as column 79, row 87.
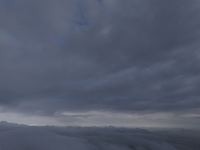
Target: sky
column 130, row 63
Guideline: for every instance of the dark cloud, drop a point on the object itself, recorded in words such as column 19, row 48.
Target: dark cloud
column 130, row 56
column 74, row 138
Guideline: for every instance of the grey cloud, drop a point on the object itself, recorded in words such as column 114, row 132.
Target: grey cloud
column 99, row 55
column 49, row 137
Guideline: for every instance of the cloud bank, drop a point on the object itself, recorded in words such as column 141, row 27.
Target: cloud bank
column 20, row 137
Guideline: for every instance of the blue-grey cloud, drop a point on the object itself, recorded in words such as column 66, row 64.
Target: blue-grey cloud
column 20, row 137
column 120, row 56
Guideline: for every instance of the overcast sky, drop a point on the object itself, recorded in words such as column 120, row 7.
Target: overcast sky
column 100, row 62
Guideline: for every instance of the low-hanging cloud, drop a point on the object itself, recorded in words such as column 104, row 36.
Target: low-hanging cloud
column 20, row 137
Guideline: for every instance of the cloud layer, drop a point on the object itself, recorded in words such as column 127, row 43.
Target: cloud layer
column 19, row 137
column 109, row 55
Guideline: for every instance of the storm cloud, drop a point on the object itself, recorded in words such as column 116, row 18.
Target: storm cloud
column 129, row 57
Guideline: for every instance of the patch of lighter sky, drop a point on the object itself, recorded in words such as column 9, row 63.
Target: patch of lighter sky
column 102, row 118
